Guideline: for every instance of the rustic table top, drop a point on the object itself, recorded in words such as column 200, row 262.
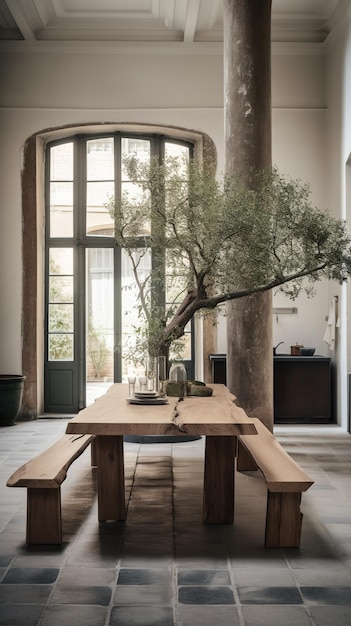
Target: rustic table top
column 215, row 415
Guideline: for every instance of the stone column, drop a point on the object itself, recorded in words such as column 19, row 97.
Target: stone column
column 247, row 116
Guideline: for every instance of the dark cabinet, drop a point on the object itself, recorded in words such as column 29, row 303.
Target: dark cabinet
column 302, row 389
column 219, row 368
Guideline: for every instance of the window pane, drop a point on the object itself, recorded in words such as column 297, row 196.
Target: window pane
column 60, row 318
column 61, row 289
column 137, row 147
column 61, row 162
column 137, row 207
column 61, row 209
column 100, row 159
column 60, row 307
column 99, row 220
column 181, row 153
column 61, row 347
column 132, row 318
column 61, row 261
column 100, row 314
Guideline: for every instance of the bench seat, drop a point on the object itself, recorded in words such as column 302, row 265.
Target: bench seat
column 43, row 476
column 285, row 480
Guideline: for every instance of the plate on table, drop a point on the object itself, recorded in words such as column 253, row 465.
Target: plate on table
column 146, row 394
column 148, row 400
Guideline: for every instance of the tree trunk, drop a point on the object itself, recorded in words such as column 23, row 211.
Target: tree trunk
column 247, row 109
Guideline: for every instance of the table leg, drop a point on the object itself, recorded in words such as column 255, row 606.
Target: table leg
column 110, row 483
column 218, row 506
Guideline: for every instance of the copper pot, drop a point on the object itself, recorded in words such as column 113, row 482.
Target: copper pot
column 295, row 350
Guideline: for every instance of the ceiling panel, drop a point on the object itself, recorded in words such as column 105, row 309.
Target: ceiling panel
column 153, row 20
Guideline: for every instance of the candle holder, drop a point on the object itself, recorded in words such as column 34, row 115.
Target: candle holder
column 131, row 383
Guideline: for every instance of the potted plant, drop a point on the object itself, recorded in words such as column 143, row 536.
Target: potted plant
column 11, row 392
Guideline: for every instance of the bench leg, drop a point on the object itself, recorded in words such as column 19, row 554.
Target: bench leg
column 44, row 522
column 93, row 453
column 244, row 462
column 284, row 520
column 218, row 504
column 110, row 478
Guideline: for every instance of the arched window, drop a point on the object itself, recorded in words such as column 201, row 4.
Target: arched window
column 91, row 302
column 77, row 286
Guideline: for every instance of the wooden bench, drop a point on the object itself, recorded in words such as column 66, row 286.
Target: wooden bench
column 285, row 480
column 43, row 477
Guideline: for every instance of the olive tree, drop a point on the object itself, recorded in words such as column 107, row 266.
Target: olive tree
column 217, row 239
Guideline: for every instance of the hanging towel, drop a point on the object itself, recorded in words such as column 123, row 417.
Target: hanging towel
column 329, row 335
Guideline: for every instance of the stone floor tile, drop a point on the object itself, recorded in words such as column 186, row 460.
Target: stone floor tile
column 323, row 578
column 21, row 615
column 89, row 576
column 64, row 594
column 205, row 595
column 145, row 595
column 143, row 561
column 5, row 559
column 203, row 577
column 74, row 615
column 31, row 575
column 24, row 594
column 144, row 577
column 331, row 615
column 327, row 595
column 209, row 615
column 141, row 616
column 245, row 577
column 269, row 595
column 275, row 615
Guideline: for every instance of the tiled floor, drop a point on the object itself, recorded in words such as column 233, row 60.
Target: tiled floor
column 163, row 567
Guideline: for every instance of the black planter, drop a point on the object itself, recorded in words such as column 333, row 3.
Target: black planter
column 11, row 392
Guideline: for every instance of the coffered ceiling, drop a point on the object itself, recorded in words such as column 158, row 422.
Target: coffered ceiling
column 187, row 21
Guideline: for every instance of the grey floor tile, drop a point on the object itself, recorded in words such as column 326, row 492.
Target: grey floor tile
column 141, row 616
column 204, row 577
column 331, row 615
column 209, row 615
column 246, row 577
column 144, row 595
column 81, row 595
column 205, row 595
column 21, row 615
column 323, row 578
column 327, row 595
column 5, row 559
column 269, row 595
column 24, row 594
column 89, row 576
column 76, row 615
column 31, row 575
column 144, row 577
column 275, row 615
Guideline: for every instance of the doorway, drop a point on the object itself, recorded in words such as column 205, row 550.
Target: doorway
column 90, row 291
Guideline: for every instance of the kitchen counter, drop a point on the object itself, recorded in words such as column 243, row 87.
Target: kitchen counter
column 289, row 357
column 302, row 389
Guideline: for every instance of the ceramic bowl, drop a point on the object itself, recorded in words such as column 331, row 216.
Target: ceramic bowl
column 307, row 351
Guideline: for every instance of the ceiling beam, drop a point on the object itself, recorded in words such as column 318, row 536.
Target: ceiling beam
column 21, row 19
column 192, row 15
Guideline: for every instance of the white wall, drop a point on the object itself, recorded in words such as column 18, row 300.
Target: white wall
column 338, row 82
column 65, row 86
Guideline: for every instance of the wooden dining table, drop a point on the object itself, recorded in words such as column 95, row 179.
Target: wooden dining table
column 216, row 417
